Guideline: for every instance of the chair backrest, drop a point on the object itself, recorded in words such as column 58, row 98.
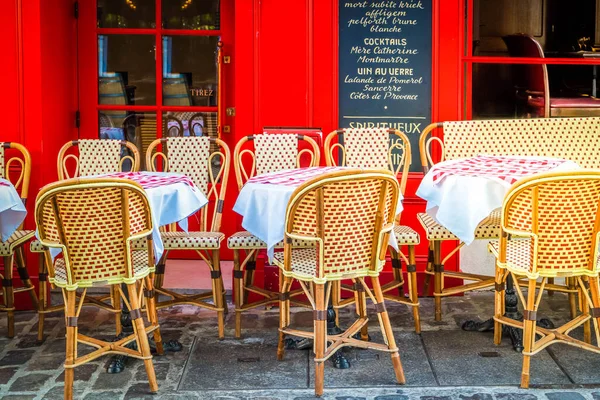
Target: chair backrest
column 97, row 156
column 561, row 212
column 575, row 139
column 272, row 153
column 351, row 213
column 532, row 77
column 370, row 148
column 206, row 166
column 18, row 176
column 94, row 221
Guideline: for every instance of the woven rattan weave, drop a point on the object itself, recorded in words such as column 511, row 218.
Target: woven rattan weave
column 348, row 215
column 94, row 223
column 255, row 155
column 387, row 149
column 209, row 170
column 15, row 166
column 550, row 228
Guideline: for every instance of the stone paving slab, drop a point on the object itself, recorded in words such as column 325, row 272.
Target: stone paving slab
column 456, row 357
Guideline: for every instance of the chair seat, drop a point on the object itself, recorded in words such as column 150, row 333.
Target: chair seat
column 304, row 263
column 489, row 228
column 566, row 102
column 140, row 270
column 36, row 246
column 192, row 240
column 405, row 235
column 15, row 240
column 518, row 254
column 244, row 240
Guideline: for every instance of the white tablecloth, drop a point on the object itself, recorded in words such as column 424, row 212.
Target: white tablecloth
column 12, row 210
column 460, row 203
column 263, row 207
column 169, row 203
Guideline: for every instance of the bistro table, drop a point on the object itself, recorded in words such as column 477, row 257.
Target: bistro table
column 172, row 198
column 461, row 193
column 262, row 203
column 12, row 210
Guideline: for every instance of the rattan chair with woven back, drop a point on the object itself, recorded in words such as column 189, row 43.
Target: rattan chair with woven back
column 93, row 223
column 348, row 216
column 194, row 157
column 550, row 228
column 15, row 166
column 256, row 155
column 387, row 149
column 80, row 158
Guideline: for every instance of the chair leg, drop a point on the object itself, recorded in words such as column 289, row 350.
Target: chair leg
column 438, row 269
column 336, row 295
column 429, row 268
column 572, row 297
column 24, row 275
column 386, row 330
column 320, row 338
column 9, row 296
column 150, row 295
column 361, row 307
column 498, row 304
column 595, row 295
column 529, row 323
column 159, row 275
column 249, row 275
column 140, row 332
column 238, row 289
column 284, row 313
column 551, row 282
column 71, row 336
column 217, row 287
column 585, row 308
column 397, row 270
column 115, row 300
column 413, row 290
column 43, row 296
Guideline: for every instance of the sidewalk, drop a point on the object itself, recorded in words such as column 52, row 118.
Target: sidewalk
column 442, row 363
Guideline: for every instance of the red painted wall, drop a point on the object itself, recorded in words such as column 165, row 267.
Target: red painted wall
column 39, row 99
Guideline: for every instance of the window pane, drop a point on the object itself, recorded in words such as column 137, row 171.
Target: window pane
column 191, row 14
column 126, row 14
column 517, row 90
column 190, row 70
column 126, row 70
column 190, row 123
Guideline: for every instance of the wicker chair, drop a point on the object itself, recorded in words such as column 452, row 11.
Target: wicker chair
column 192, row 156
column 269, row 153
column 557, row 137
column 348, row 216
column 550, row 228
column 94, row 157
column 93, row 222
column 375, row 148
column 12, row 250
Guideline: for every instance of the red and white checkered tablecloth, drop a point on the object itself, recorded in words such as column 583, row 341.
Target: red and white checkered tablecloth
column 294, row 177
column 152, row 181
column 505, row 168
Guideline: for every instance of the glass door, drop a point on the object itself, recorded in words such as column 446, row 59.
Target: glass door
column 152, row 68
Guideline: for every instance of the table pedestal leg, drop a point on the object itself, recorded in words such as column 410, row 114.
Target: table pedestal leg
column 117, row 363
column 511, row 302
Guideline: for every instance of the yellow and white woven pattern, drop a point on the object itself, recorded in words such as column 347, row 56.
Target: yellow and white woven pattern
column 405, row 235
column 275, row 152
column 99, row 156
column 36, row 246
column 562, row 211
column 192, row 240
column 575, row 139
column 367, row 147
column 189, row 156
column 489, row 228
column 15, row 240
column 92, row 228
column 346, row 214
column 244, row 240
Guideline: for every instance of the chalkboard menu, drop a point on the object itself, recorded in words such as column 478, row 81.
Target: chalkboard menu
column 385, row 66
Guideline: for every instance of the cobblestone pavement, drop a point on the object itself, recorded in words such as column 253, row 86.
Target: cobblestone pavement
column 443, row 363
